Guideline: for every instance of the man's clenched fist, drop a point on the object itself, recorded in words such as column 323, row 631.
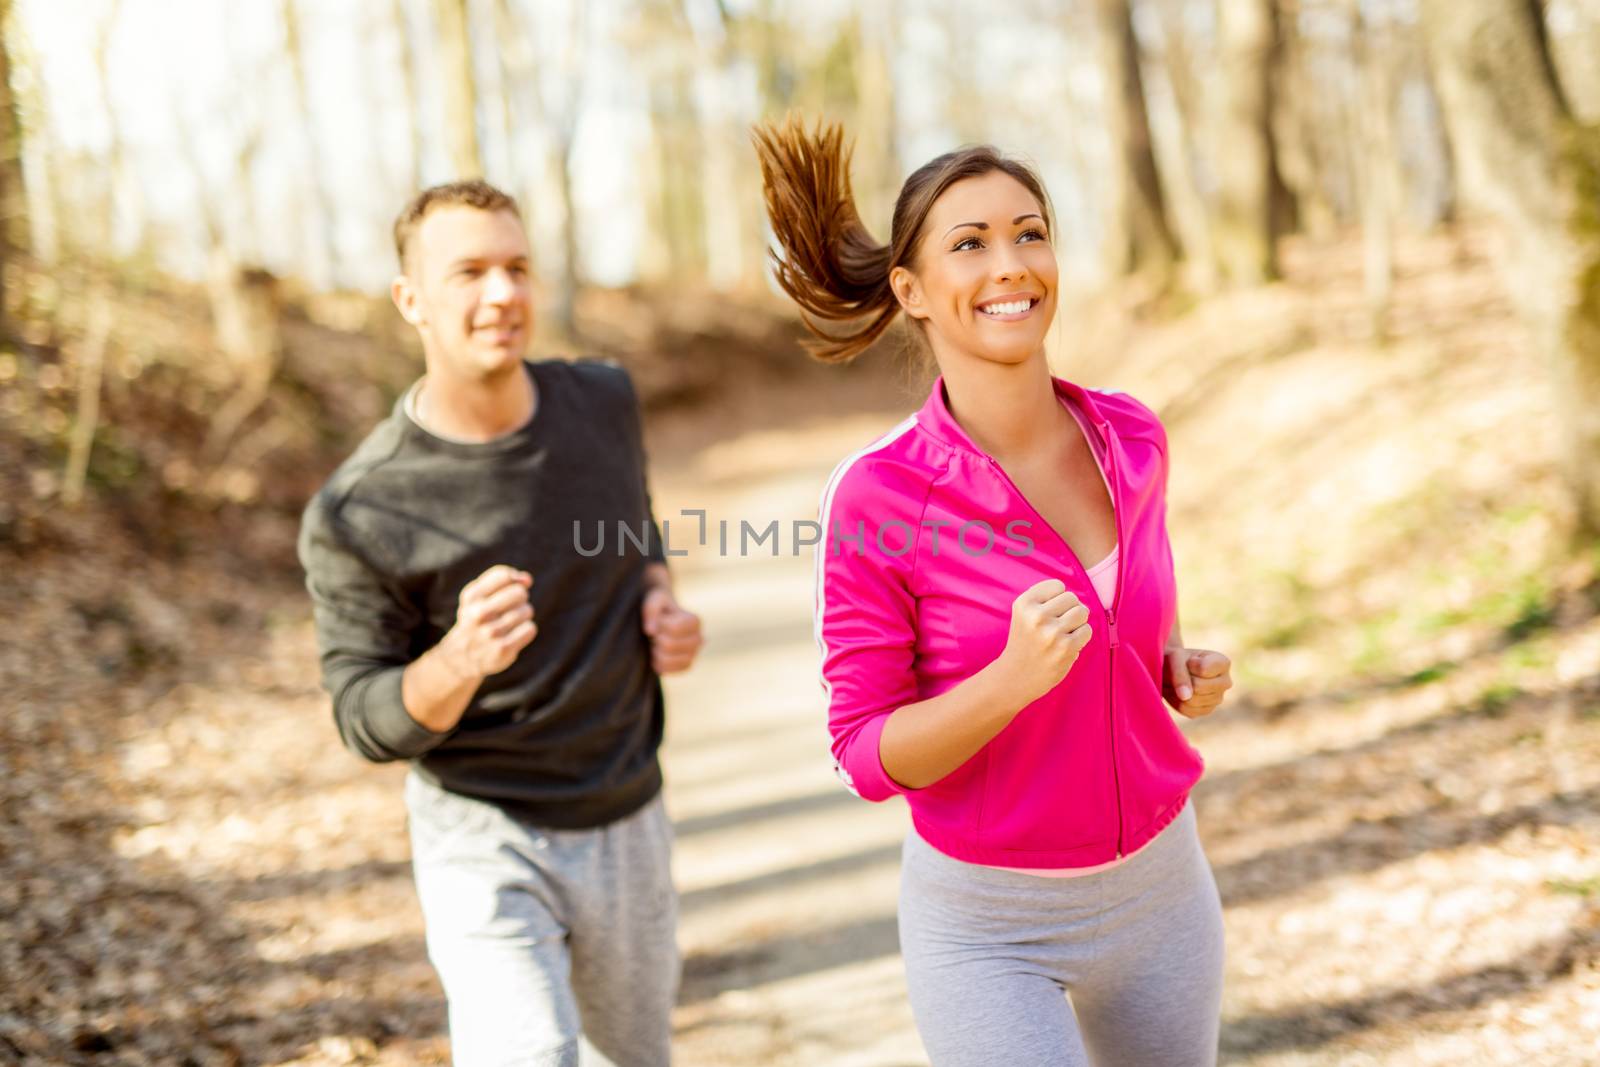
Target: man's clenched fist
column 673, row 632
column 494, row 622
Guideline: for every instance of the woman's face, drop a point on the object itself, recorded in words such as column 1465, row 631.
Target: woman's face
column 984, row 278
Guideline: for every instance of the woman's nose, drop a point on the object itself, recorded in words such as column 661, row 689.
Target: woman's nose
column 1009, row 267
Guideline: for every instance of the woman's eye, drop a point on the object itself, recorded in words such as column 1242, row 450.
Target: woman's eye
column 1034, row 235
column 966, row 243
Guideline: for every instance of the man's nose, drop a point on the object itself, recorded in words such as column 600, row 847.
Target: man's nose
column 499, row 286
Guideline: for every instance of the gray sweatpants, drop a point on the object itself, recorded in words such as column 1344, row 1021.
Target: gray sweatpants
column 1122, row 968
column 547, row 939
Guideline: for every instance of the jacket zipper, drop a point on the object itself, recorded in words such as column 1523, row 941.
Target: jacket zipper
column 1110, row 613
column 1112, row 640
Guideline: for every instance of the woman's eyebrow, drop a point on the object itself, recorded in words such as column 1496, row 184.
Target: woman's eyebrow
column 985, row 225
column 957, row 226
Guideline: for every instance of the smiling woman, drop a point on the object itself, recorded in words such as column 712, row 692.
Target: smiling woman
column 832, row 266
column 993, row 266
column 1014, row 699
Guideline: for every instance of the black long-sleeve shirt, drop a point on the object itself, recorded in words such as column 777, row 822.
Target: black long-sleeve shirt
column 567, row 735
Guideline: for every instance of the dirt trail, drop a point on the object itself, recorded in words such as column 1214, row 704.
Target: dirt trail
column 1402, row 802
column 1381, row 906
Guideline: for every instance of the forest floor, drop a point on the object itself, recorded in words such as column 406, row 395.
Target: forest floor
column 1402, row 801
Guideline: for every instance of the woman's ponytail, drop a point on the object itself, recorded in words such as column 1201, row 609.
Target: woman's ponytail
column 829, row 264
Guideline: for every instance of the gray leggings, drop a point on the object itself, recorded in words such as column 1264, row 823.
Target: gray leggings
column 1121, row 969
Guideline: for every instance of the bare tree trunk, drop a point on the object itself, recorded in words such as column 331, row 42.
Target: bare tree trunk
column 40, row 209
column 721, row 131
column 408, row 91
column 320, row 223
column 91, row 373
column 555, row 167
column 245, row 310
column 678, row 147
column 122, row 193
column 460, row 88
column 1522, row 155
column 1178, row 146
column 1298, row 130
column 244, row 194
column 1142, row 240
column 876, row 169
column 1252, row 209
column 244, row 306
column 13, row 192
column 1574, row 36
column 567, row 290
column 1379, row 191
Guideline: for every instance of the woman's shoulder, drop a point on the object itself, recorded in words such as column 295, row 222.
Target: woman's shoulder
column 890, row 474
column 1130, row 416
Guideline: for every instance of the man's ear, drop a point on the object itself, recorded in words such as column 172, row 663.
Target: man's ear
column 908, row 291
column 404, row 295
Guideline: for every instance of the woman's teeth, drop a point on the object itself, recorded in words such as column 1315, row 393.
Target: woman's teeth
column 1010, row 307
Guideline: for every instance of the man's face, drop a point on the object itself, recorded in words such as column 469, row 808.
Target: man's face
column 467, row 291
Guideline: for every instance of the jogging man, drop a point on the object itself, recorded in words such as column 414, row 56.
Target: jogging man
column 460, row 628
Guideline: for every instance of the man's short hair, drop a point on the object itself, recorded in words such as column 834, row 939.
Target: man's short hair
column 473, row 193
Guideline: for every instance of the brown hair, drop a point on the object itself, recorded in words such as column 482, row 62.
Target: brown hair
column 829, row 264
column 472, row 193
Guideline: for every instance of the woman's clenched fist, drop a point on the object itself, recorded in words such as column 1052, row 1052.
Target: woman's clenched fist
column 1049, row 627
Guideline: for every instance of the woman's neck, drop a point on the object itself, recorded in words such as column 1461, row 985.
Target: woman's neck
column 1009, row 410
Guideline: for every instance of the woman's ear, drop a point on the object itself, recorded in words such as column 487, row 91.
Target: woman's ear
column 908, row 291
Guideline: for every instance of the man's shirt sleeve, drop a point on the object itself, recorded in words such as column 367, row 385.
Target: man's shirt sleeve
column 364, row 636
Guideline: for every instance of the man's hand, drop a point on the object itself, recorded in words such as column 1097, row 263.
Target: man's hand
column 674, row 633
column 494, row 622
column 1196, row 679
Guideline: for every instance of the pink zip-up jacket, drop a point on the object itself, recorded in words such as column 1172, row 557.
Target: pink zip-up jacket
column 910, row 603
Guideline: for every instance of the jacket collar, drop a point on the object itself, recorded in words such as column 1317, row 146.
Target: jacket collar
column 936, row 418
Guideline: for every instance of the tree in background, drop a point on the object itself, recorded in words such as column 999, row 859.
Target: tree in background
column 1378, row 182
column 1254, row 206
column 454, row 26
column 534, row 57
column 1140, row 238
column 876, row 164
column 1574, row 50
column 405, row 81
column 1179, row 94
column 12, row 193
column 664, row 42
column 1523, row 155
column 320, row 220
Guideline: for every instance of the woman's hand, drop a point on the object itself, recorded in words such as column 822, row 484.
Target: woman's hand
column 1195, row 680
column 1049, row 627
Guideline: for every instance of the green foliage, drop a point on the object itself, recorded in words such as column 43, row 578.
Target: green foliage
column 1431, row 673
column 1293, row 610
column 1494, row 699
